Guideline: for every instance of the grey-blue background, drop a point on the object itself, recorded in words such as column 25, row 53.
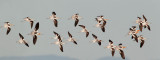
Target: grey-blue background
column 122, row 15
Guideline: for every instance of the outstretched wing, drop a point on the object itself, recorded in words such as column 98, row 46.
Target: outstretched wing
column 87, row 33
column 26, row 43
column 82, row 26
column 94, row 36
column 76, row 22
column 55, row 33
column 75, row 42
column 141, row 27
column 34, row 39
column 61, row 48
column 144, row 18
column 31, row 22
column 70, row 35
column 136, row 38
column 122, row 54
column 113, row 51
column 148, row 27
column 8, row 30
column 21, row 36
column 141, row 44
column 55, row 23
column 37, row 26
column 99, row 43
column 103, row 28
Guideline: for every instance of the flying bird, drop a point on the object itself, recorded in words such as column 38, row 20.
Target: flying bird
column 76, row 17
column 101, row 22
column 140, row 22
column 29, row 20
column 146, row 23
column 55, row 33
column 35, row 33
column 120, row 49
column 111, row 47
column 141, row 38
column 22, row 41
column 84, row 30
column 102, row 26
column 71, row 39
column 60, row 43
column 133, row 32
column 143, row 23
column 8, row 26
column 96, row 40
column 54, row 18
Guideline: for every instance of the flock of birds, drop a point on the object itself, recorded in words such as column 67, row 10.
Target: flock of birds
column 101, row 23
column 133, row 31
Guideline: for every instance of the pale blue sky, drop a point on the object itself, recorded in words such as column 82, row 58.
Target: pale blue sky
column 122, row 15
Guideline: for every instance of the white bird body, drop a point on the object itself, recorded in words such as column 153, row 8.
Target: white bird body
column 6, row 25
column 84, row 30
column 28, row 19
column 71, row 39
column 95, row 40
column 21, row 41
column 110, row 46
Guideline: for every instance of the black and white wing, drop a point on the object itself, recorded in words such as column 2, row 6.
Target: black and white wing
column 75, row 42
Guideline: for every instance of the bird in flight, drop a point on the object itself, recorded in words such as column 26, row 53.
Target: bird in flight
column 54, row 18
column 29, row 20
column 141, row 38
column 22, row 41
column 111, row 47
column 84, row 30
column 96, row 40
column 143, row 23
column 59, row 42
column 71, row 39
column 146, row 23
column 8, row 26
column 76, row 17
column 133, row 32
column 120, row 49
column 35, row 33
column 101, row 22
column 55, row 33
